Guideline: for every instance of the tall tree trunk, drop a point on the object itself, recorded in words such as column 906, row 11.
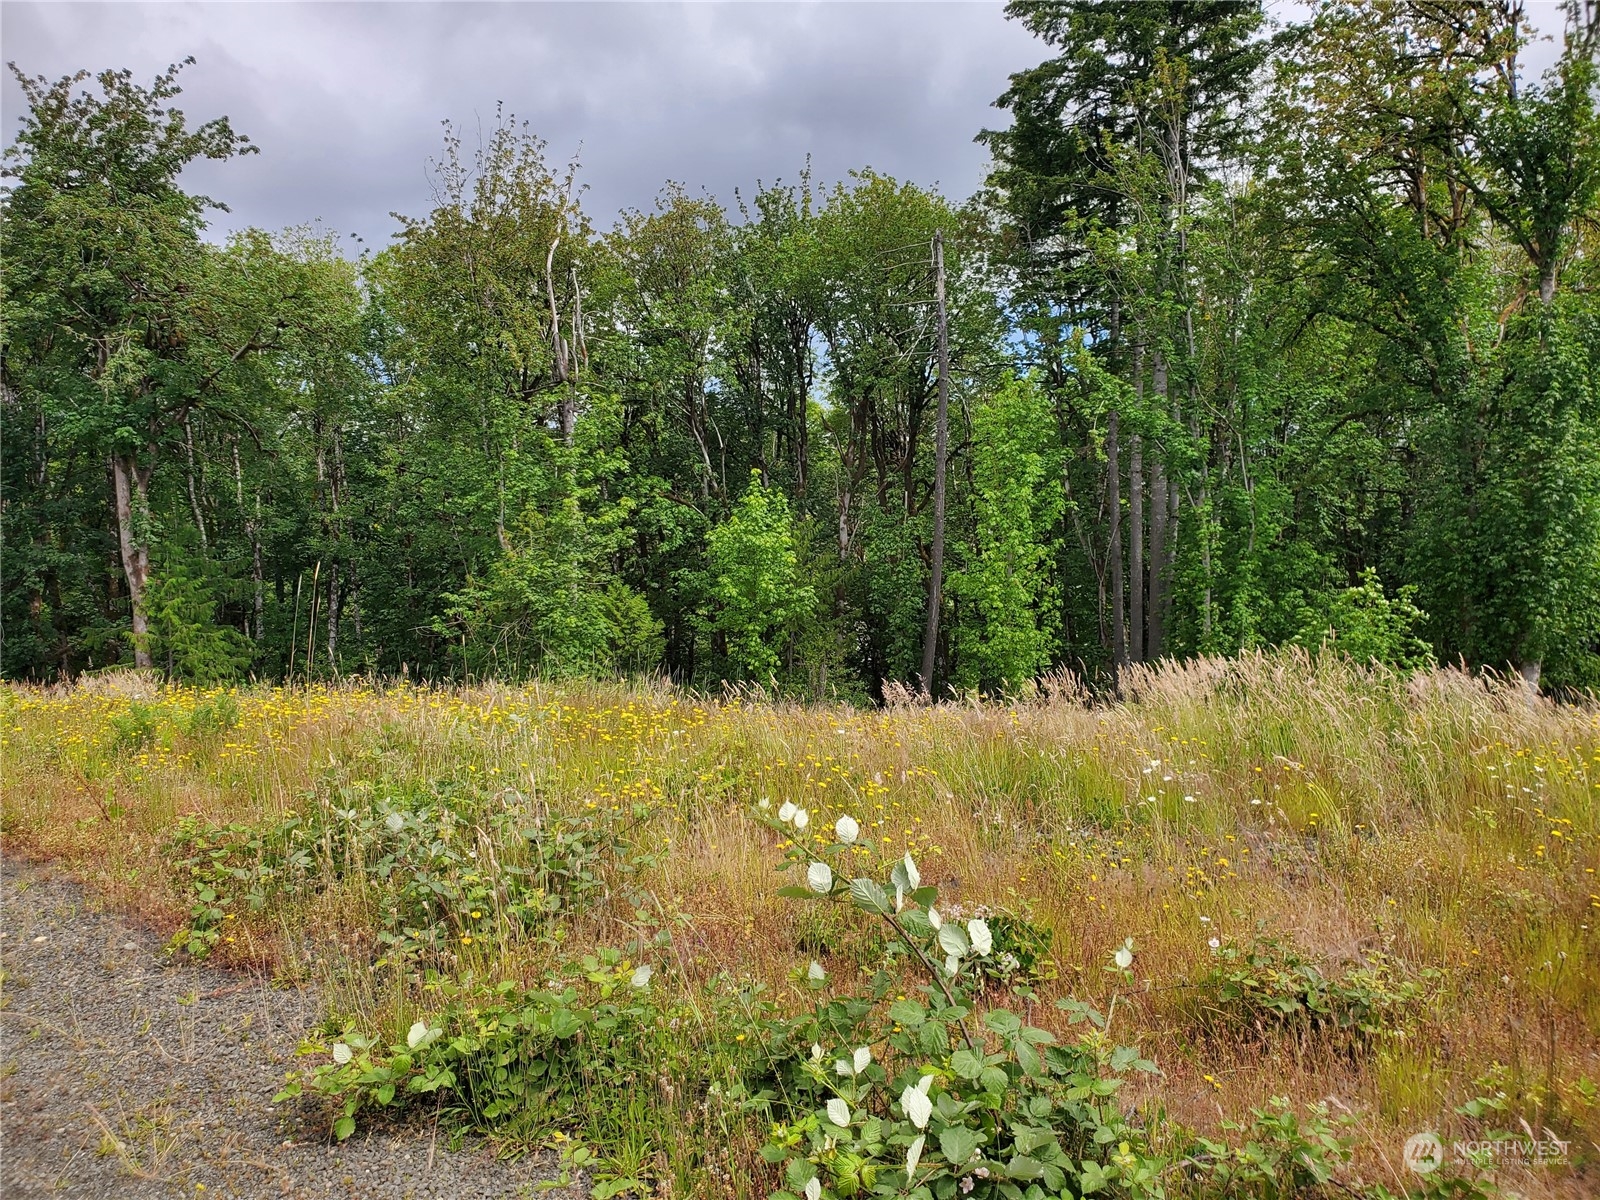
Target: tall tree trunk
column 334, row 600
column 1204, row 513
column 1169, row 568
column 1136, row 638
column 1119, row 599
column 252, row 528
column 259, row 584
column 335, row 537
column 930, row 643
column 130, row 484
column 353, row 603
column 194, row 492
column 800, row 347
column 1155, row 612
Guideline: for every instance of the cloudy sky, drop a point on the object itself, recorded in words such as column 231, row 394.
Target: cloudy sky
column 345, row 99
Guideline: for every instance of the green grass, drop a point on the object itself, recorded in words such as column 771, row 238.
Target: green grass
column 1442, row 825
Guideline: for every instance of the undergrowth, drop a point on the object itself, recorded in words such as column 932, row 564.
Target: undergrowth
column 1243, row 934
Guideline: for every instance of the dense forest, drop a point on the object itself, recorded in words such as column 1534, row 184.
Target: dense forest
column 1256, row 334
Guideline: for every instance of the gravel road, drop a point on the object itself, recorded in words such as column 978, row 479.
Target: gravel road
column 125, row 1074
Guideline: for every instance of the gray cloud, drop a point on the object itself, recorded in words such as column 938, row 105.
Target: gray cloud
column 346, row 100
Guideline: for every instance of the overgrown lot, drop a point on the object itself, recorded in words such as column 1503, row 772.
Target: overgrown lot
column 1242, row 934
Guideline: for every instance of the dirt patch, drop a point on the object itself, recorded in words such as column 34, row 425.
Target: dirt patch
column 126, row 1074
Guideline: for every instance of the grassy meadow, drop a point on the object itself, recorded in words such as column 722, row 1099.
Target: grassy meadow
column 1355, row 890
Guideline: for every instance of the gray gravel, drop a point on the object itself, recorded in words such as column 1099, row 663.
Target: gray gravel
column 125, row 1074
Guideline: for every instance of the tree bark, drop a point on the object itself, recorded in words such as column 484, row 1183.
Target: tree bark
column 131, row 484
column 1119, row 599
column 1136, row 630
column 260, row 607
column 1547, row 283
column 252, row 529
column 1155, row 611
column 335, row 537
column 334, row 599
column 930, row 644
column 194, row 493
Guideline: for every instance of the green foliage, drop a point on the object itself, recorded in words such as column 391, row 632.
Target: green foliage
column 135, row 727
column 215, row 715
column 1369, row 626
column 1230, row 326
column 1009, row 637
column 542, row 607
column 1270, row 986
column 414, row 854
column 894, row 1096
column 582, row 1055
column 633, row 635
column 185, row 638
column 889, row 1095
column 759, row 599
column 1279, row 1155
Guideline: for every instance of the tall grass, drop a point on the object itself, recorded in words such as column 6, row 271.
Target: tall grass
column 1441, row 823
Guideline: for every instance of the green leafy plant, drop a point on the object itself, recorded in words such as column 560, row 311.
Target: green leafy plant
column 1269, row 985
column 594, row 1051
column 1279, row 1154
column 184, row 638
column 758, row 595
column 888, row 1094
column 217, row 865
column 1370, row 626
column 135, row 726
column 417, row 852
column 214, row 716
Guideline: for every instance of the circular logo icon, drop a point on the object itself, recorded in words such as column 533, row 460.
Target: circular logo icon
column 1424, row 1152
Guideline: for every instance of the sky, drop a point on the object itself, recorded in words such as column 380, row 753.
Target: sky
column 345, row 100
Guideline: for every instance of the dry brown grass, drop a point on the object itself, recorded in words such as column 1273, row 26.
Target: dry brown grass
column 1446, row 821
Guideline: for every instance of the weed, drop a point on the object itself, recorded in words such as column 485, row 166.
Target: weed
column 1269, row 985
column 1425, row 846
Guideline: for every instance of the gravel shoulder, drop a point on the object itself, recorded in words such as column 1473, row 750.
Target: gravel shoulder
column 126, row 1074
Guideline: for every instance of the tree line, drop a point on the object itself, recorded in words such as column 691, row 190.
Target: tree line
column 1256, row 334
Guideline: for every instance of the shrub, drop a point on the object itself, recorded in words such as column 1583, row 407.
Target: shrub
column 1270, row 986
column 416, row 852
column 752, row 579
column 218, row 714
column 888, row 1096
column 1370, row 626
column 184, row 636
